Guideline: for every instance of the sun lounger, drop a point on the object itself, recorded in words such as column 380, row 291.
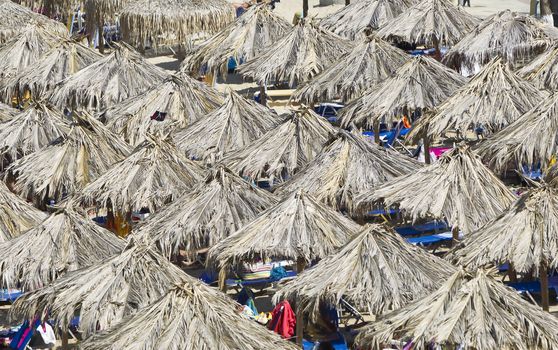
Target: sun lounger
column 534, row 287
column 379, row 212
column 261, row 281
column 338, row 344
column 431, row 239
column 415, row 230
column 9, row 295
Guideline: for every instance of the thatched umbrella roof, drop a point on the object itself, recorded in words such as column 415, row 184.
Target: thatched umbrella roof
column 16, row 215
column 233, row 126
column 217, row 207
column 430, row 22
column 515, row 37
column 348, row 166
column 298, row 227
column 31, row 130
column 493, row 98
column 152, row 176
column 376, row 271
column 7, row 112
column 183, row 98
column 190, row 316
column 529, row 140
column 103, row 293
column 543, row 70
column 70, row 162
column 25, row 50
column 99, row 11
column 458, row 187
column 352, row 19
column 243, row 39
column 367, row 64
column 422, row 82
column 284, row 150
column 145, row 21
column 121, row 74
column 16, row 17
column 525, row 235
column 301, row 54
column 63, row 60
column 474, row 310
column 66, row 241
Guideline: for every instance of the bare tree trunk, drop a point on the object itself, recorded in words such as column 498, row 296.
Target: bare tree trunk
column 304, row 8
column 544, row 286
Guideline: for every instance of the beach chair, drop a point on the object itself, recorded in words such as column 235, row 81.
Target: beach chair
column 421, row 229
column 329, row 111
column 9, row 295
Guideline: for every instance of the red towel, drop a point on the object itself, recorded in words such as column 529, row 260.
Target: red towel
column 283, row 320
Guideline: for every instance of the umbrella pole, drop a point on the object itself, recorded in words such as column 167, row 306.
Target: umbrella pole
column 347, row 2
column 263, row 97
column 377, row 132
column 101, row 37
column 300, row 265
column 304, row 8
column 544, row 286
column 437, row 52
column 512, row 273
column 454, row 235
column 426, row 146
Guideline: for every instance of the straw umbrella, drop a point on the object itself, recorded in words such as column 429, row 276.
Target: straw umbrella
column 420, row 83
column 284, row 150
column 542, row 70
column 69, row 163
column 31, row 130
column 217, row 207
column 152, row 176
column 122, row 74
column 530, row 140
column 301, row 54
column 144, row 21
column 371, row 61
column 103, row 293
column 525, row 235
column 15, row 18
column 182, row 99
column 352, row 19
column 16, row 215
column 470, row 309
column 348, row 165
column 493, row 98
column 430, row 22
column 457, row 188
column 25, row 50
column 376, row 271
column 233, row 126
column 190, row 316
column 100, row 11
column 66, row 241
column 63, row 60
column 515, row 37
column 242, row 40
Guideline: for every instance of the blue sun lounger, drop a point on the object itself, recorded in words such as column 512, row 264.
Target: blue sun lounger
column 415, row 230
column 9, row 295
column 240, row 283
column 534, row 286
column 338, row 344
column 431, row 239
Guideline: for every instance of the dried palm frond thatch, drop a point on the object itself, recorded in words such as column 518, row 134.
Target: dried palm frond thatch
column 348, row 166
column 368, row 63
column 493, row 98
column 543, row 70
column 181, row 97
column 31, row 130
column 284, row 150
column 301, row 54
column 152, row 176
column 25, row 50
column 15, row 18
column 63, row 60
column 16, row 215
column 470, row 308
column 352, row 19
column 103, row 293
column 242, row 40
column 530, row 140
column 513, row 36
column 376, row 271
column 66, row 241
column 420, row 83
column 70, row 162
column 7, row 112
column 458, row 188
column 217, row 207
column 191, row 316
column 525, row 235
column 430, row 22
column 298, row 227
column 100, row 11
column 233, row 126
column 145, row 21
column 122, row 74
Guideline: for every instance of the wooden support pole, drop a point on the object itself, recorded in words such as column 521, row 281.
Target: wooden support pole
column 426, row 147
column 533, row 7
column 64, row 340
column 263, row 97
column 543, row 272
column 377, row 133
column 512, row 274
column 455, row 235
column 347, row 2
column 300, row 265
column 304, row 8
column 101, row 43
column 223, row 279
column 437, row 51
